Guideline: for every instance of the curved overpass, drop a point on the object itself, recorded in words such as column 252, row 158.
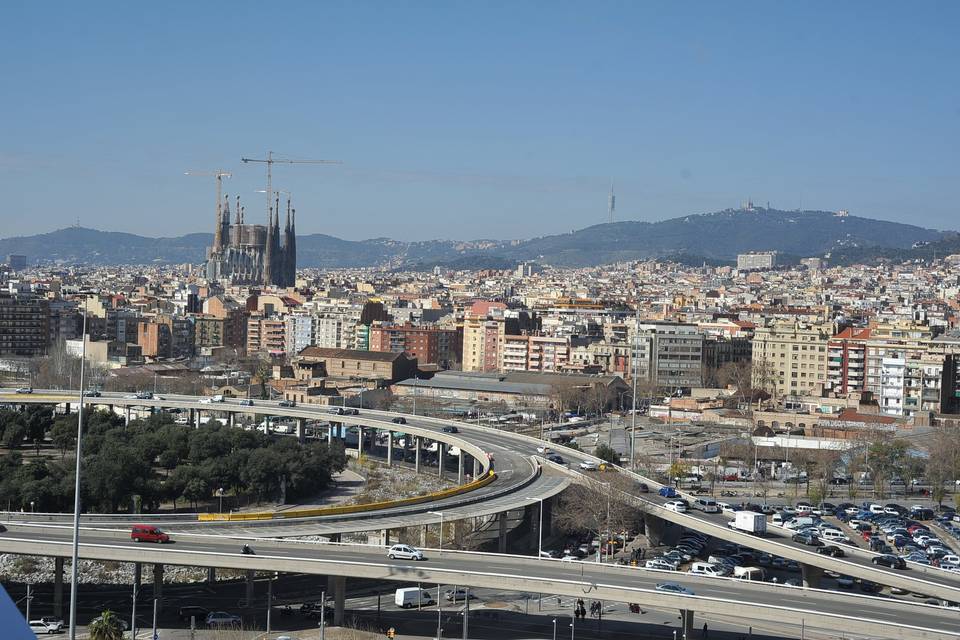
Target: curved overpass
column 855, row 614
column 508, row 449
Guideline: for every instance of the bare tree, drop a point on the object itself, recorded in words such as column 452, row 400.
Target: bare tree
column 604, row 504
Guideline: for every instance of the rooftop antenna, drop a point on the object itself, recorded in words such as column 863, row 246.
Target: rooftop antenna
column 611, row 201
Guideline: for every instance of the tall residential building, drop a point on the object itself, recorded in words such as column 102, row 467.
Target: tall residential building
column 534, row 353
column 669, row 354
column 790, row 358
column 484, row 327
column 846, row 360
column 24, row 325
column 335, row 331
column 266, row 334
column 299, row 332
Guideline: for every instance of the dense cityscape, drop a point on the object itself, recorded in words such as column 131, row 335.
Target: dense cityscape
column 487, row 321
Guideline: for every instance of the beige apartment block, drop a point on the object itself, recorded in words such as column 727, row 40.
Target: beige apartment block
column 790, row 359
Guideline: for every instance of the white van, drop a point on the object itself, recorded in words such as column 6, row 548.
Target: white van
column 707, row 505
column 779, row 518
column 410, row 597
column 749, row 573
column 705, row 569
column 832, row 535
column 217, row 398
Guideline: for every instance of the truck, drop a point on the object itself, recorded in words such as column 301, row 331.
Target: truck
column 749, row 522
column 749, row 573
column 409, row 597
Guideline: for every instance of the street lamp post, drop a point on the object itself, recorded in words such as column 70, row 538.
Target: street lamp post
column 415, row 389
column 76, row 485
column 554, row 629
column 600, row 549
column 220, row 495
column 439, row 513
column 633, row 401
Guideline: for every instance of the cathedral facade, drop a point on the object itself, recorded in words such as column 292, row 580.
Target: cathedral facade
column 253, row 254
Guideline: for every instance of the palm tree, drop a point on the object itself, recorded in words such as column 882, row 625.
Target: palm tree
column 107, row 627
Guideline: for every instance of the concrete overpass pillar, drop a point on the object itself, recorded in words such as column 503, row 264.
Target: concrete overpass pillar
column 441, row 457
column 386, row 537
column 158, row 586
column 423, row 536
column 359, row 442
column 249, row 594
column 547, row 517
column 339, row 593
column 193, row 415
column 811, row 575
column 58, row 587
column 502, row 541
column 476, row 467
column 301, row 430
column 460, row 468
column 655, row 529
column 330, row 434
column 230, row 418
column 389, row 448
column 416, row 454
column 126, row 416
column 199, row 415
column 211, row 575
column 66, row 408
column 686, row 624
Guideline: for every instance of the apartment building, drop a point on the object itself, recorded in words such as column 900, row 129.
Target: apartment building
column 299, row 332
column 669, row 354
column 335, row 331
column 790, row 358
column 266, row 334
column 846, row 360
column 534, row 353
column 24, row 325
column 428, row 344
column 484, row 328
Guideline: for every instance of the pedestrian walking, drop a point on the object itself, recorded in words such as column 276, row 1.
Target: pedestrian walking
column 706, row 631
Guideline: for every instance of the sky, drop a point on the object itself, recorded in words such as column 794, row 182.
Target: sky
column 466, row 120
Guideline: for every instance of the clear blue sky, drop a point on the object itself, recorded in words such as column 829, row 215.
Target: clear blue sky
column 476, row 119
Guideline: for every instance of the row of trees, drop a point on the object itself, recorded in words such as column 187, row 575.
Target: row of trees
column 155, row 460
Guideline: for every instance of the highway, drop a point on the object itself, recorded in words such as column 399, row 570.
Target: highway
column 855, row 614
column 511, row 453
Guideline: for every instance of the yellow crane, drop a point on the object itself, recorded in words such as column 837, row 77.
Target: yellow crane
column 270, row 161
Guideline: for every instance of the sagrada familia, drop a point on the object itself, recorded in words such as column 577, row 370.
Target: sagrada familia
column 253, row 253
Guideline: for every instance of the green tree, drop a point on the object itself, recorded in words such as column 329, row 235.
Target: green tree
column 64, row 434
column 607, row 453
column 107, row 627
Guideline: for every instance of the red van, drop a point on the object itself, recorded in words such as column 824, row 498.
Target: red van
column 148, row 533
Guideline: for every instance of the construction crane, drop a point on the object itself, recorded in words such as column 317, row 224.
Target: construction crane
column 219, row 174
column 270, row 161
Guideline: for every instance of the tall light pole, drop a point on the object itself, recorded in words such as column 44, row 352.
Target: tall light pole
column 415, row 388
column 76, row 485
column 539, row 529
column 600, row 548
column 439, row 513
column 633, row 402
column 554, row 629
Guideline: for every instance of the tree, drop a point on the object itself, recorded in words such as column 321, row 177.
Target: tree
column 607, row 453
column 107, row 627
column 63, row 434
column 597, row 506
column 885, row 458
column 943, row 465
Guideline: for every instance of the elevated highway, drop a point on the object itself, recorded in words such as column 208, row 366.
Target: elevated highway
column 512, row 452
column 854, row 614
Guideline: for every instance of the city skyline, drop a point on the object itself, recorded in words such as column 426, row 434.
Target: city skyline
column 510, row 120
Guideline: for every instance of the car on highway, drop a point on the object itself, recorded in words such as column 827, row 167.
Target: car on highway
column 2, row 528
column 807, row 538
column 144, row 395
column 246, row 402
column 399, row 420
column 831, row 550
column 222, row 619
column 589, row 465
column 677, row 506
column 46, row 624
column 555, row 457
column 286, row 403
column 673, row 587
column 890, row 560
column 542, row 449
column 450, row 429
column 24, row 390
column 148, row 533
column 92, row 393
column 658, row 563
column 404, row 552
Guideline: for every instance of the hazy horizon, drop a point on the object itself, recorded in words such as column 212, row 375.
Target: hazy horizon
column 464, row 122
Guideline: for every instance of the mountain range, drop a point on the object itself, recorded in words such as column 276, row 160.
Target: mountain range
column 713, row 237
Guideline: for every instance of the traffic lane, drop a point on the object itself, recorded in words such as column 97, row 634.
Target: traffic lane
column 881, row 609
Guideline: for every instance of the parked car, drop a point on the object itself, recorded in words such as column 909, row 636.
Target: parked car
column 222, row 619
column 46, row 624
column 404, row 552
column 457, row 595
column 658, row 563
column 197, row 613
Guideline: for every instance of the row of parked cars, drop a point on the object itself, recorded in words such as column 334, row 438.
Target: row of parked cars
column 893, row 529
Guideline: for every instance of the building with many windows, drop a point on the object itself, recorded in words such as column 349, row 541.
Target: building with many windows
column 24, row 325
column 790, row 358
